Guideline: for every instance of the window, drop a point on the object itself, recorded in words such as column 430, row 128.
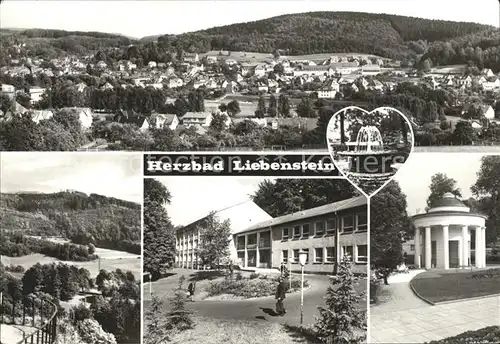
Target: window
column 265, row 239
column 285, row 234
column 330, row 254
column 362, row 225
column 318, row 255
column 284, row 256
column 305, row 230
column 362, row 254
column 240, row 245
column 296, row 232
column 348, row 253
column 347, row 224
column 412, row 247
column 319, row 228
column 252, row 240
column 331, row 226
column 295, row 257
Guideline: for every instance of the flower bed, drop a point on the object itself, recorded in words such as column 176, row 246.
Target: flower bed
column 485, row 335
column 249, row 287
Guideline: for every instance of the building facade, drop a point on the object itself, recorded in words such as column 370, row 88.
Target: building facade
column 447, row 235
column 189, row 237
column 327, row 233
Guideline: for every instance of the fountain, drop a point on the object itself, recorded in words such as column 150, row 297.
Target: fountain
column 367, row 159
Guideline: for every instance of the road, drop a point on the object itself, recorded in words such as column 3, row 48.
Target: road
column 263, row 308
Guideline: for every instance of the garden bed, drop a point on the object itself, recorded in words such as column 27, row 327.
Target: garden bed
column 248, row 287
column 440, row 287
column 485, row 335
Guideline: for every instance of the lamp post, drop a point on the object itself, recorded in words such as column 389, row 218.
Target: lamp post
column 302, row 261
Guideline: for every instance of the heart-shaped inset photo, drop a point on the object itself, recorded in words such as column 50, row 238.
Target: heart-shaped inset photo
column 368, row 148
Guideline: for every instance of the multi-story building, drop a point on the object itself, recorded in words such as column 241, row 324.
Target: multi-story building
column 327, row 233
column 189, row 237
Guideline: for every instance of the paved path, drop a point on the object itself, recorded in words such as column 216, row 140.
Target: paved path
column 407, row 319
column 12, row 334
column 263, row 308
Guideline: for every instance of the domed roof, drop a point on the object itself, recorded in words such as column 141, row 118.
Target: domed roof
column 448, row 200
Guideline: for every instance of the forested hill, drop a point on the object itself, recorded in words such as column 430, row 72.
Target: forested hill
column 104, row 221
column 321, row 32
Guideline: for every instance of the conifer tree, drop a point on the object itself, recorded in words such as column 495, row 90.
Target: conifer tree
column 341, row 321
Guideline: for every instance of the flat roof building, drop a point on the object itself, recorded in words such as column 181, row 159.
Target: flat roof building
column 319, row 231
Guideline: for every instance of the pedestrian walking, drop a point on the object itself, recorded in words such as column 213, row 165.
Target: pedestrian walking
column 191, row 289
column 280, row 296
column 282, row 269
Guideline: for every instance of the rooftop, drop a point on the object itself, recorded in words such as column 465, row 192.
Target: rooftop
column 308, row 213
column 448, row 200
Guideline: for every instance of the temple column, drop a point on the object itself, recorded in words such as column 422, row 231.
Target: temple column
column 418, row 250
column 245, row 260
column 428, row 247
column 257, row 253
column 479, row 247
column 446, row 247
column 483, row 232
column 465, row 246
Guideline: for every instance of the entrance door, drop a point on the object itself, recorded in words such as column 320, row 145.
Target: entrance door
column 433, row 254
column 453, row 254
column 252, row 258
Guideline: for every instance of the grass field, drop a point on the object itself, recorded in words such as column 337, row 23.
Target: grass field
column 216, row 331
column 126, row 264
column 439, row 287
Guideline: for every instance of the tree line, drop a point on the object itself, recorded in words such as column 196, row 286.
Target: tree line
column 17, row 245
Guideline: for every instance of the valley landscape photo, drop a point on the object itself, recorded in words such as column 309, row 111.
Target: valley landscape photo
column 75, row 255
column 272, row 82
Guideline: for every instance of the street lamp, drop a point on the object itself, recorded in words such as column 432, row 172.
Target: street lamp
column 302, row 260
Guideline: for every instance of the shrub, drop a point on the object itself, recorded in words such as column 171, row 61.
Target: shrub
column 14, row 268
column 489, row 334
column 254, row 275
column 247, row 288
column 490, row 273
column 239, row 276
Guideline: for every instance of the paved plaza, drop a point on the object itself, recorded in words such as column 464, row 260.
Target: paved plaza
column 407, row 319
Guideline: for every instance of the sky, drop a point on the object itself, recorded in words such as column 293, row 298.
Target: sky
column 414, row 177
column 114, row 175
column 150, row 17
column 195, row 197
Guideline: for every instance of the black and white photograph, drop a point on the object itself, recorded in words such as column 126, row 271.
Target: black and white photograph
column 369, row 147
column 70, row 248
column 435, row 252
column 244, row 75
column 230, row 259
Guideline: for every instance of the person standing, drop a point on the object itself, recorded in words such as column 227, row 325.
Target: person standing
column 191, row 289
column 280, row 296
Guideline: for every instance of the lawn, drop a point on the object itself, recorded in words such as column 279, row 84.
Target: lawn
column 440, row 287
column 216, row 331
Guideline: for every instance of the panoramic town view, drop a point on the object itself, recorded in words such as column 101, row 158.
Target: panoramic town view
column 277, row 172
column 253, row 265
column 70, row 256
column 268, row 84
column 435, row 252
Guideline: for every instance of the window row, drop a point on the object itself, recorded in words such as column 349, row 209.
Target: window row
column 357, row 254
column 348, row 224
